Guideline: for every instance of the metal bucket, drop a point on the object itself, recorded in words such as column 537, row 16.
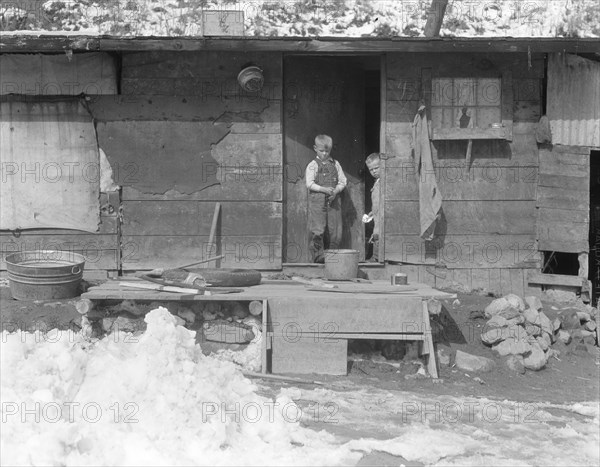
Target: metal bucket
column 341, row 264
column 44, row 274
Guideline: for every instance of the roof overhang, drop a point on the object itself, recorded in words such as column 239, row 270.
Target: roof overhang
column 52, row 43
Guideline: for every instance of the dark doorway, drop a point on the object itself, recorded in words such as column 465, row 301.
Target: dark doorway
column 338, row 96
column 594, row 258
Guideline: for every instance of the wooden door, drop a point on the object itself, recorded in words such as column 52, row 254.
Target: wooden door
column 322, row 95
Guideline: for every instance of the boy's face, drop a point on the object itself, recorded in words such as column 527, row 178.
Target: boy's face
column 374, row 168
column 322, row 151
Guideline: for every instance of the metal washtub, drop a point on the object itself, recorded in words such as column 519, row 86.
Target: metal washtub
column 44, row 274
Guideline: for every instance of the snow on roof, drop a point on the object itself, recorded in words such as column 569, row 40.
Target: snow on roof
column 300, row 18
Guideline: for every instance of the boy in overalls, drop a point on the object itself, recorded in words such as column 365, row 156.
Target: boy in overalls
column 325, row 180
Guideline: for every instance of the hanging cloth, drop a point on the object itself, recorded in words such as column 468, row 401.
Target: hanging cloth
column 430, row 199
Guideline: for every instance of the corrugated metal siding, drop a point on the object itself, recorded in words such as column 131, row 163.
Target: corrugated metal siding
column 574, row 100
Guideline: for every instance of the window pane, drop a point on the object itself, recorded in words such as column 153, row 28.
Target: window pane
column 489, row 91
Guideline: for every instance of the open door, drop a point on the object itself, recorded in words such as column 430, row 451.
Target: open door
column 323, row 95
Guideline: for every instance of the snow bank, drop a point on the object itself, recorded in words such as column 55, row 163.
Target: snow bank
column 308, row 18
column 157, row 401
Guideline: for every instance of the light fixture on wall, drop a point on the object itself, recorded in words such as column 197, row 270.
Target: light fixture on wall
column 251, row 78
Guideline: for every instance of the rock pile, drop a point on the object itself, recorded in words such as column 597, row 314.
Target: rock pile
column 519, row 330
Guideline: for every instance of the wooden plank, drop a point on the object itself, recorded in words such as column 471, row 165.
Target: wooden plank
column 535, row 277
column 517, row 281
column 468, row 133
column 505, row 282
column 565, row 181
column 465, row 251
column 402, row 89
column 527, row 89
column 188, row 73
column 550, row 215
column 58, row 242
column 298, row 315
column 155, row 217
column 569, row 246
column 463, row 277
column 562, row 232
column 560, row 198
column 515, row 46
column 472, row 64
column 480, row 279
column 242, row 116
column 479, row 183
column 557, row 162
column 507, row 104
column 148, row 252
column 495, row 285
column 107, row 226
column 248, row 187
column 465, row 217
column 309, row 355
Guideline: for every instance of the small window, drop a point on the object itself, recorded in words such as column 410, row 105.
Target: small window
column 466, row 102
column 471, row 107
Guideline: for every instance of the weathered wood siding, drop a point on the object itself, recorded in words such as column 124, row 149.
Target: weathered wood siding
column 183, row 135
column 489, row 205
column 563, row 199
column 101, row 249
column 42, row 78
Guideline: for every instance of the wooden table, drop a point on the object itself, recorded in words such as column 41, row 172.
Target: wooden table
column 307, row 331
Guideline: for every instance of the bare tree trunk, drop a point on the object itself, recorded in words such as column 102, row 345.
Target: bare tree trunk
column 435, row 17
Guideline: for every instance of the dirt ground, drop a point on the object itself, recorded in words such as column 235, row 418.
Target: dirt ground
column 573, row 376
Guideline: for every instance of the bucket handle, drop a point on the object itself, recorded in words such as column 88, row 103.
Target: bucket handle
column 76, row 269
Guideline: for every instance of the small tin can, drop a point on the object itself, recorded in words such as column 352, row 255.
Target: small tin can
column 399, row 279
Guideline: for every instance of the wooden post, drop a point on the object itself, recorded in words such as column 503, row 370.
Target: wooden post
column 213, row 227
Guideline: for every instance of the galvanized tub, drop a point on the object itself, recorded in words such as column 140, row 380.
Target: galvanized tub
column 44, row 274
column 341, row 264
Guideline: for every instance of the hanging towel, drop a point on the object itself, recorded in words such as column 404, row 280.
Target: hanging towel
column 430, row 199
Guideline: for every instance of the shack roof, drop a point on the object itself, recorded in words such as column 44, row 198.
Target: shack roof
column 20, row 42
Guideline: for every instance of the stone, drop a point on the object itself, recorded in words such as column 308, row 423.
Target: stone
column 510, row 313
column 590, row 326
column 536, row 359
column 497, row 321
column 533, row 329
column 564, row 336
column 544, row 341
column 237, row 310
column 444, row 355
column 534, row 302
column 583, row 316
column 496, row 306
column 512, row 346
column 532, row 316
column 515, row 363
column 515, row 301
column 224, row 331
column 123, row 324
column 188, row 315
column 569, row 319
column 503, row 348
column 468, row 362
column 492, row 335
column 545, row 323
column 556, row 324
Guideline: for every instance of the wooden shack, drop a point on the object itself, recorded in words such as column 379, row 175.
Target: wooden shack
column 181, row 134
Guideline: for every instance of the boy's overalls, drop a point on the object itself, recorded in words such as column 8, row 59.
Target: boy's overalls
column 322, row 216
